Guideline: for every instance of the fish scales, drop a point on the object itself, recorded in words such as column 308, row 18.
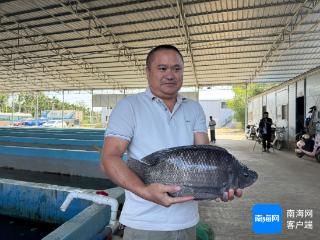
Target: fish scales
column 203, row 171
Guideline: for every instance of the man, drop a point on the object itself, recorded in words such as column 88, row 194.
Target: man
column 265, row 131
column 212, row 127
column 144, row 123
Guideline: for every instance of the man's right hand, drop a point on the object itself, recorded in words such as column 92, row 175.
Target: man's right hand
column 158, row 193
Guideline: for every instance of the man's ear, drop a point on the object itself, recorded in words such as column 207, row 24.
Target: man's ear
column 147, row 72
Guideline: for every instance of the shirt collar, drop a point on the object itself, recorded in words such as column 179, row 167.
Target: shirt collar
column 151, row 96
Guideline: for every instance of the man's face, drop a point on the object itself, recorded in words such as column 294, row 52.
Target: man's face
column 265, row 115
column 165, row 73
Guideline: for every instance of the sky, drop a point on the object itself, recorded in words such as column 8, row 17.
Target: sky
column 216, row 94
column 84, row 97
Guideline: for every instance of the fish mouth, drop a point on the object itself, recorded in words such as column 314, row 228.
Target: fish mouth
column 250, row 178
column 254, row 177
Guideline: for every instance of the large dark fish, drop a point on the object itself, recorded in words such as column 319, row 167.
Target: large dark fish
column 203, row 171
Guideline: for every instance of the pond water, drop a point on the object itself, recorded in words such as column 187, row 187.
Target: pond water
column 17, row 228
column 57, row 179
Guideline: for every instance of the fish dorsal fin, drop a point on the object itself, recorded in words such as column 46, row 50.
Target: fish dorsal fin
column 151, row 159
column 155, row 157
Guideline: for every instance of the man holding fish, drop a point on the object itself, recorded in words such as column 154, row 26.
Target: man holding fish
column 144, row 123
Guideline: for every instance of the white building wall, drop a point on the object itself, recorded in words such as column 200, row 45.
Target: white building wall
column 281, row 99
column 257, row 110
column 292, row 112
column 300, row 88
column 287, row 95
column 250, row 113
column 213, row 108
column 313, row 93
column 264, row 100
column 271, row 104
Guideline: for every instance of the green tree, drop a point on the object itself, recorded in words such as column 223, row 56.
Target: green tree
column 3, row 102
column 26, row 102
column 238, row 103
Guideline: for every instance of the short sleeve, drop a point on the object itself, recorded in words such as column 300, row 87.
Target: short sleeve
column 121, row 122
column 200, row 123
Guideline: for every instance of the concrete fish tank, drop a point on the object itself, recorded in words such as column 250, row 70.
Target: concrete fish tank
column 71, row 213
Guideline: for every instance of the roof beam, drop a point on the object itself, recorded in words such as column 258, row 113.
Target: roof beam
column 31, row 63
column 146, row 9
column 165, row 28
column 8, row 54
column 217, row 62
column 19, row 75
column 187, row 41
column 200, row 47
column 103, row 31
column 49, row 44
column 210, row 42
column 299, row 16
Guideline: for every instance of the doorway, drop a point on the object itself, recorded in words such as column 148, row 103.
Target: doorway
column 264, row 109
column 300, row 114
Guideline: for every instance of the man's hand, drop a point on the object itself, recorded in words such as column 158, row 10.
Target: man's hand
column 158, row 193
column 229, row 196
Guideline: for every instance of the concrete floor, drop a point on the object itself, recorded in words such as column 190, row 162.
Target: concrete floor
column 283, row 178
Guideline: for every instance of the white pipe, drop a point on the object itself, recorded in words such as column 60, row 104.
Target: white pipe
column 112, row 202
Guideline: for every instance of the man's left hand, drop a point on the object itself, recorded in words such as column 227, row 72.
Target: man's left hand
column 229, row 196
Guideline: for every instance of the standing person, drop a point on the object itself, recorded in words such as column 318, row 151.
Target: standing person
column 212, row 127
column 265, row 131
column 144, row 123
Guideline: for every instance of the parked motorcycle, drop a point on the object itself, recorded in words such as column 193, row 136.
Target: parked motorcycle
column 251, row 132
column 278, row 137
column 309, row 145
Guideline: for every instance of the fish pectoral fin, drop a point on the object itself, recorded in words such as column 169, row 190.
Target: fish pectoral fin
column 199, row 193
column 137, row 166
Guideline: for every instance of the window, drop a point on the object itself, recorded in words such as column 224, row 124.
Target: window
column 223, row 105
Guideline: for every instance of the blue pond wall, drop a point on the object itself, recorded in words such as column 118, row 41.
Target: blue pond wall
column 63, row 151
column 36, row 201
column 41, row 202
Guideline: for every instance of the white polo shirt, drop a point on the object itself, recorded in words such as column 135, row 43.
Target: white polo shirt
column 145, row 121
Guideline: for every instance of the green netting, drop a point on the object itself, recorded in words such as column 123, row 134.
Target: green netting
column 204, row 231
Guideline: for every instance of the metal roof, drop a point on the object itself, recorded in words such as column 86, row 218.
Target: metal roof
column 91, row 44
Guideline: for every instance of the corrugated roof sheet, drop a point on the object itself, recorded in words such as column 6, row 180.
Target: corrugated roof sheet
column 56, row 44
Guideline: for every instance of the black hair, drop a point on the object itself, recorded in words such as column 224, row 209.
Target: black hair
column 265, row 113
column 161, row 47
